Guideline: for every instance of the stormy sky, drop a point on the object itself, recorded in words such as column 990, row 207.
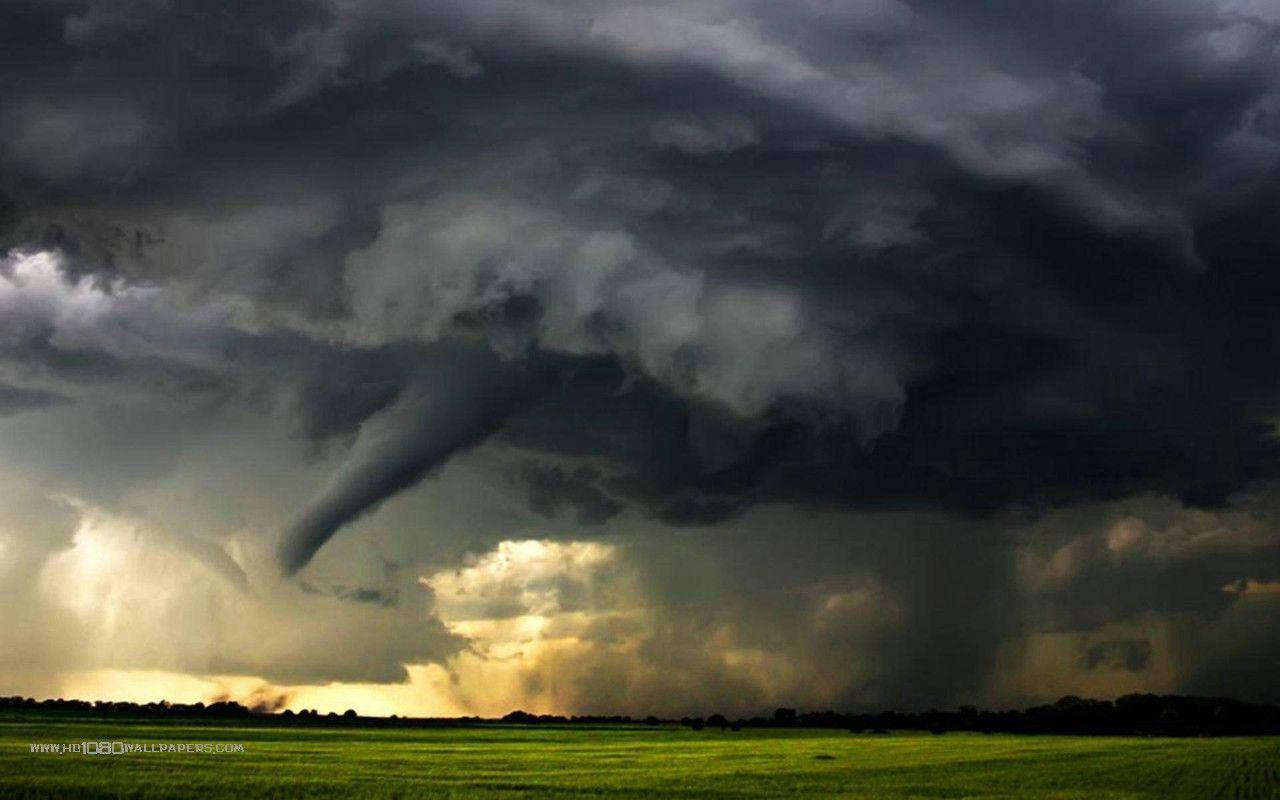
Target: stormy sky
column 619, row 357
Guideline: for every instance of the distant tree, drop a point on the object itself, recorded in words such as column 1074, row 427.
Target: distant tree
column 785, row 716
column 350, row 713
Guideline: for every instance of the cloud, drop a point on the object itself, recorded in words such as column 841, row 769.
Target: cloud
column 14, row 399
column 395, row 448
column 1130, row 654
column 550, row 488
column 733, row 622
column 926, row 345
column 127, row 597
column 691, row 138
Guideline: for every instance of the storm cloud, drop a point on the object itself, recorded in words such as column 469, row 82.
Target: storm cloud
column 947, row 332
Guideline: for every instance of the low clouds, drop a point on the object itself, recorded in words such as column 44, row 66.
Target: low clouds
column 14, row 399
column 128, row 598
column 354, row 290
column 1129, row 654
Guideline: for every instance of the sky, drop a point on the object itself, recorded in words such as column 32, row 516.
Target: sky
column 444, row 358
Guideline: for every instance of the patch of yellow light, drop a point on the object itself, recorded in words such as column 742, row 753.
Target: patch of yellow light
column 525, row 607
column 1253, row 588
column 1026, row 666
column 424, row 693
column 118, row 581
column 81, row 577
column 1125, row 536
column 529, row 577
column 145, row 686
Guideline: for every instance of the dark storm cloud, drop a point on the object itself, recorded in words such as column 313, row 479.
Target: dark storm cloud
column 679, row 260
column 551, row 488
column 14, row 399
column 354, row 594
column 1130, row 654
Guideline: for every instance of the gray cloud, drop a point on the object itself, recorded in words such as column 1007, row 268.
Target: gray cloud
column 994, row 281
column 1130, row 654
column 14, row 399
column 551, row 488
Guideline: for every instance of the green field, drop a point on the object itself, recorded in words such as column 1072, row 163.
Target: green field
column 510, row 762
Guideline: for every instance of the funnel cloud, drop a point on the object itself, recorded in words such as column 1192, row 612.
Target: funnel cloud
column 425, row 425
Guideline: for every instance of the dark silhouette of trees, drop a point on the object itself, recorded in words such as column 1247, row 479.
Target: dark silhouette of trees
column 1133, row 714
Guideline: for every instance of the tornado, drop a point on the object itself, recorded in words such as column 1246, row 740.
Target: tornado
column 464, row 396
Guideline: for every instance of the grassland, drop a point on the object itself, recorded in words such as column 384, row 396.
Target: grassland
column 629, row 762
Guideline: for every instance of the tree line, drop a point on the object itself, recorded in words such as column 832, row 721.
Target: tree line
column 1132, row 714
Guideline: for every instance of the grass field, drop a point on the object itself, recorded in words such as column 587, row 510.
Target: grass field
column 640, row 762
